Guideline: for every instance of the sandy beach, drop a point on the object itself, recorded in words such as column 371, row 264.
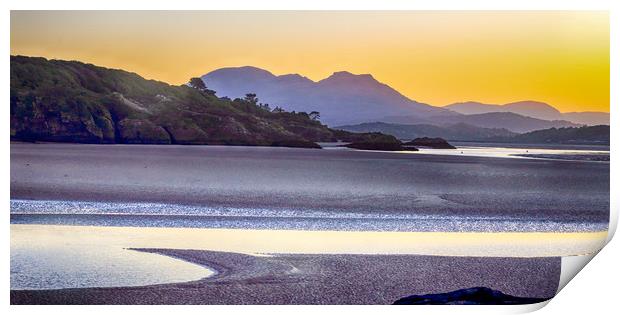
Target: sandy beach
column 352, row 227
column 320, row 279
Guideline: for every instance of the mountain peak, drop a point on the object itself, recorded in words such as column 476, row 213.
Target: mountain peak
column 245, row 71
column 346, row 75
column 341, row 98
column 531, row 104
column 342, row 79
column 529, row 108
column 294, row 78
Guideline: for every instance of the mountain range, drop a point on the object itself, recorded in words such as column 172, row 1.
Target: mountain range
column 499, row 120
column 342, row 98
column 346, row 99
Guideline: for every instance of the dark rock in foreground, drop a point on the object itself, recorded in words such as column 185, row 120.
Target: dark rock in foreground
column 435, row 143
column 379, row 146
column 477, row 296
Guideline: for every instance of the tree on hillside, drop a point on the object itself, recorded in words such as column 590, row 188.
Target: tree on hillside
column 197, row 83
column 200, row 85
column 251, row 98
column 278, row 109
column 314, row 115
column 265, row 106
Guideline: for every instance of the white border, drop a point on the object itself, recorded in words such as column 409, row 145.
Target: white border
column 599, row 293
column 313, row 5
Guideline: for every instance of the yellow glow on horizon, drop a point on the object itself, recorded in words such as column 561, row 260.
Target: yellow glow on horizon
column 436, row 57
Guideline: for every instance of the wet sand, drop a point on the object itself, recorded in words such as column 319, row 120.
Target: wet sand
column 320, row 279
column 312, row 179
column 331, row 181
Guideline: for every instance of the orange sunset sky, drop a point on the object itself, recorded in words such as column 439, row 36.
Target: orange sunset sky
column 436, row 57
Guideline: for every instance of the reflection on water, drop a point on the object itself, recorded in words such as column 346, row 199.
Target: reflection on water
column 60, row 212
column 52, row 256
column 503, row 152
column 48, row 258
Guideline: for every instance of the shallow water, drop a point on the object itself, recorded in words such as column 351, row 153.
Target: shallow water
column 507, row 152
column 579, row 147
column 174, row 215
column 516, row 244
column 48, row 258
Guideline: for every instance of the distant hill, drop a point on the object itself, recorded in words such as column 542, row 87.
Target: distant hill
column 456, row 132
column 588, row 118
column 581, row 135
column 532, row 109
column 462, row 132
column 342, row 98
column 70, row 101
column 506, row 120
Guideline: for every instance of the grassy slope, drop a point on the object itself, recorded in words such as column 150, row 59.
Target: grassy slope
column 69, row 101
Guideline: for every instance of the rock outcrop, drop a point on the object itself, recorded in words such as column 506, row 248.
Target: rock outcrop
column 477, row 295
column 435, row 143
column 378, row 146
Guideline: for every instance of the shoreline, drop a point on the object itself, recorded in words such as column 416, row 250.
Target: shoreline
column 152, row 214
column 453, row 244
column 319, row 279
column 586, row 146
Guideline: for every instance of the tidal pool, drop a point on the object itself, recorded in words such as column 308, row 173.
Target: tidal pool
column 45, row 257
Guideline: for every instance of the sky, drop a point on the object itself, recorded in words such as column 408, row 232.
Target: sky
column 435, row 57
